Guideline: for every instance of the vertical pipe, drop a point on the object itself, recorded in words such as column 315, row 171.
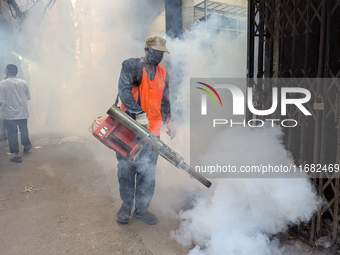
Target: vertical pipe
column 270, row 40
column 322, row 162
column 276, row 38
column 269, row 45
column 303, row 117
column 312, row 228
column 328, row 35
column 337, row 182
column 250, row 50
column 250, row 40
column 336, row 205
column 260, row 52
column 324, row 121
column 261, row 42
column 294, row 37
column 290, row 130
column 307, row 39
column 316, row 156
column 283, row 26
column 282, row 51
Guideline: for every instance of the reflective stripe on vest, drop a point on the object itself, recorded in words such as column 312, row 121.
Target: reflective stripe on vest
column 151, row 94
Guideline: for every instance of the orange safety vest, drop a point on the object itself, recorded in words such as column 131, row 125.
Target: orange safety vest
column 151, row 94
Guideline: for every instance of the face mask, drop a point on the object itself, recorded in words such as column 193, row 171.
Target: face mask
column 154, row 58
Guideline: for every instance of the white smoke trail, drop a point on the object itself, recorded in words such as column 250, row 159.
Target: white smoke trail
column 203, row 54
column 237, row 216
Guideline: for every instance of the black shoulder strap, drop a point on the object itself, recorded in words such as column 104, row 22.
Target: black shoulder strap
column 139, row 96
column 139, row 73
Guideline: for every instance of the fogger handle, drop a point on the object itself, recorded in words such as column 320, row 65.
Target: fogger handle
column 196, row 175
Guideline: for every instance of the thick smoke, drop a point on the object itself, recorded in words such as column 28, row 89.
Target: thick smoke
column 236, row 216
column 203, row 53
column 71, row 54
column 239, row 216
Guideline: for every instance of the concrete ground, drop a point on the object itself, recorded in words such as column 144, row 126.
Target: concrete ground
column 74, row 208
column 71, row 202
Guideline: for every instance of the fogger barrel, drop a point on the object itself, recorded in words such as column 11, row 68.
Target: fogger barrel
column 153, row 141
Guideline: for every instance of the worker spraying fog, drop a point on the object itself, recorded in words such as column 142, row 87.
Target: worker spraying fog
column 144, row 90
column 134, row 134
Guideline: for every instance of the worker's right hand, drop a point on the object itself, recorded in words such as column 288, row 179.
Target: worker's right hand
column 143, row 120
column 171, row 129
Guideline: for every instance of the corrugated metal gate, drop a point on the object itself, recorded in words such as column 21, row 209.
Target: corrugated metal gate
column 301, row 39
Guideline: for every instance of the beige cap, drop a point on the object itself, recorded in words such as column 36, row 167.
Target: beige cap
column 157, row 43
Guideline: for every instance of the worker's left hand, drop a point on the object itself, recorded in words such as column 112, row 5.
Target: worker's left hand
column 171, row 129
column 143, row 120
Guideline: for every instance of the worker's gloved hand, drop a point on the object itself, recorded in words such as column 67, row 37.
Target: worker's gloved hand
column 171, row 129
column 143, row 120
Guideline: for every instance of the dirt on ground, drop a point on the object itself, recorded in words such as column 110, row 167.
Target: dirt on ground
column 72, row 206
column 63, row 199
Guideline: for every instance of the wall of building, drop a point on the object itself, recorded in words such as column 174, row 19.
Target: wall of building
column 158, row 25
column 188, row 15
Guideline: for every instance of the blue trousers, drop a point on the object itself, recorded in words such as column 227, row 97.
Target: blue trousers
column 137, row 179
column 12, row 134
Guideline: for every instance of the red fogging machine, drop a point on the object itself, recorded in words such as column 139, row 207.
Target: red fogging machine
column 125, row 136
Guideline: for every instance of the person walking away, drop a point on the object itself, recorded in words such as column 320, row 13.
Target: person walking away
column 14, row 94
